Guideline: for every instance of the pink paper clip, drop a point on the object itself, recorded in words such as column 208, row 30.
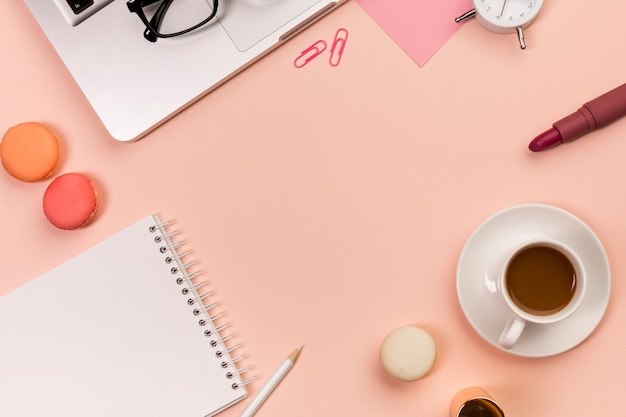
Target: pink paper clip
column 339, row 44
column 309, row 54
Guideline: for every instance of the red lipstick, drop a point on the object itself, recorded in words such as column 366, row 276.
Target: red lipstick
column 593, row 115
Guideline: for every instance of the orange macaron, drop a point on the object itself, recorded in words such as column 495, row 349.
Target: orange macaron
column 70, row 201
column 29, row 152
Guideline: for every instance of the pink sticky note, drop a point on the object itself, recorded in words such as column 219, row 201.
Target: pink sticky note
column 420, row 27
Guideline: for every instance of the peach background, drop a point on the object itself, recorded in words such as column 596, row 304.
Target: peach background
column 329, row 205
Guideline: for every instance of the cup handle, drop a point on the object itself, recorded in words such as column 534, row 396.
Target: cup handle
column 512, row 331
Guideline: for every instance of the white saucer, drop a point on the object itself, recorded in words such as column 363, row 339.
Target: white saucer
column 476, row 278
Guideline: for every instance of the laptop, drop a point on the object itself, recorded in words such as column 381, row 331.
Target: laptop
column 133, row 84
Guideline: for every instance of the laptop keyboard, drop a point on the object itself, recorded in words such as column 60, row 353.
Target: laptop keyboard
column 76, row 11
column 79, row 6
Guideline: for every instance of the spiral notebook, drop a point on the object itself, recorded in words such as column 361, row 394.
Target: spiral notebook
column 125, row 329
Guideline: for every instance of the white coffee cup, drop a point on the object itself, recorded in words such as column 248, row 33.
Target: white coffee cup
column 534, row 279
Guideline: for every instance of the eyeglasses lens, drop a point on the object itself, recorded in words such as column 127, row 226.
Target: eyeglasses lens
column 179, row 15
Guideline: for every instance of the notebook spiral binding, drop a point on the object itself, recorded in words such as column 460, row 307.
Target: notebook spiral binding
column 180, row 269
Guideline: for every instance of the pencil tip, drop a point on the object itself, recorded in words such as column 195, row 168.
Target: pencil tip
column 294, row 355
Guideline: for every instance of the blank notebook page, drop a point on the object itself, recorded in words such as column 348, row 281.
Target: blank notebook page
column 109, row 333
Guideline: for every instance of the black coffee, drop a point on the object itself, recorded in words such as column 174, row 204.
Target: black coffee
column 480, row 407
column 541, row 280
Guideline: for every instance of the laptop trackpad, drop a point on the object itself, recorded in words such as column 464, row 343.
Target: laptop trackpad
column 249, row 21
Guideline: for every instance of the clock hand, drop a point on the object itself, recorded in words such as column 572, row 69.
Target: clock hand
column 503, row 6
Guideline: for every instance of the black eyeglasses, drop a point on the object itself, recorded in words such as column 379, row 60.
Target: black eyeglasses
column 169, row 18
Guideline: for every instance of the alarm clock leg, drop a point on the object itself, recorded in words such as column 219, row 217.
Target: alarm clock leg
column 464, row 16
column 520, row 35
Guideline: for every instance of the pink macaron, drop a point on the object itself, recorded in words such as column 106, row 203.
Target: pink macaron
column 70, row 201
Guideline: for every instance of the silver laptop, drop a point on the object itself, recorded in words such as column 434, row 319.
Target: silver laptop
column 135, row 83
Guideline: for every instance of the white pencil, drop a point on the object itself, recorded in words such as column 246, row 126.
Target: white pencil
column 271, row 383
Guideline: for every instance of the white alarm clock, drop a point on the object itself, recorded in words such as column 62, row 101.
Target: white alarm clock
column 504, row 16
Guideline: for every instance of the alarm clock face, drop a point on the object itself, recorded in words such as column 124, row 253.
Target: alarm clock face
column 505, row 16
